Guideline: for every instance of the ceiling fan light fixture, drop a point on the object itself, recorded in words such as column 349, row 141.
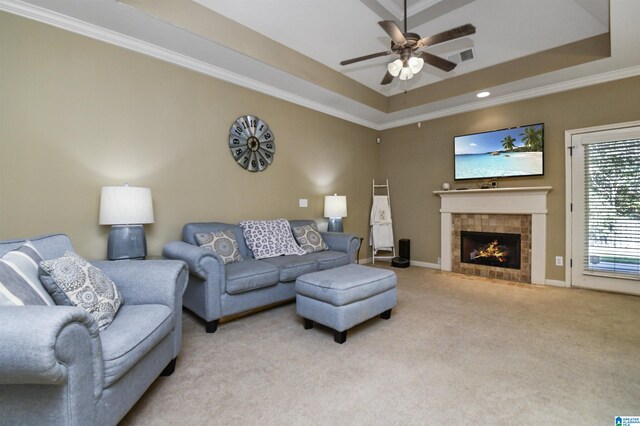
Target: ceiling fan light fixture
column 406, row 73
column 407, row 44
column 415, row 64
column 395, row 67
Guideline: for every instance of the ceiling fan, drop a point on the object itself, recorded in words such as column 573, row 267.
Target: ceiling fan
column 406, row 45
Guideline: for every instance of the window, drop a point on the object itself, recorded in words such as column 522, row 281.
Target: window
column 612, row 208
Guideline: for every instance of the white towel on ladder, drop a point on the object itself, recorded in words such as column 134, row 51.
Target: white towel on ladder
column 381, row 236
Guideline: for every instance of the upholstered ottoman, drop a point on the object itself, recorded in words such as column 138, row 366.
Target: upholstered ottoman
column 345, row 296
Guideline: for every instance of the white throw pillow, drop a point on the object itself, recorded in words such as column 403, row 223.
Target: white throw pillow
column 270, row 238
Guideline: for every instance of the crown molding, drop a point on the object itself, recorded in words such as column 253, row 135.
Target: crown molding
column 93, row 31
column 519, row 96
column 89, row 30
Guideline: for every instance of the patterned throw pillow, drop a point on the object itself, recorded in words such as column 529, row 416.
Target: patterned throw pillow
column 309, row 238
column 19, row 282
column 223, row 243
column 270, row 238
column 71, row 280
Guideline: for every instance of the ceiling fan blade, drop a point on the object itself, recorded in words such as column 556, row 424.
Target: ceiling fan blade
column 436, row 61
column 394, row 31
column 388, row 78
column 364, row 58
column 452, row 34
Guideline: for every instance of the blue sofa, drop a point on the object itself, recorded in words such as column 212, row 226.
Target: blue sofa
column 216, row 290
column 57, row 368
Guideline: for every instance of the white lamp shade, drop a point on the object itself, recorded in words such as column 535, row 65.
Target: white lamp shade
column 335, row 206
column 125, row 205
column 406, row 73
column 395, row 67
column 415, row 64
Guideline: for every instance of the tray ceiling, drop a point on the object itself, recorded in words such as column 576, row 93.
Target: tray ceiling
column 291, row 49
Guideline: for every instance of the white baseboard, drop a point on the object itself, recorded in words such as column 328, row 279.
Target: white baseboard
column 556, row 283
column 425, row 264
column 413, row 263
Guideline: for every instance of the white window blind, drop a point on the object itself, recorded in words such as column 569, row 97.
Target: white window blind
column 612, row 209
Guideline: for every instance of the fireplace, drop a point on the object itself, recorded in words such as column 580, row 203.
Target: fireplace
column 490, row 249
column 508, row 210
column 512, row 236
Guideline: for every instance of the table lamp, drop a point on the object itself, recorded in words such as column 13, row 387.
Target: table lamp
column 335, row 208
column 126, row 208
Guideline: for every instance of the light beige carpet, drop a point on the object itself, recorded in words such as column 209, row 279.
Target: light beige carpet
column 457, row 350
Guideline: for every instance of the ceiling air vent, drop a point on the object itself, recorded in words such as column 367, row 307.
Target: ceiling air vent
column 464, row 56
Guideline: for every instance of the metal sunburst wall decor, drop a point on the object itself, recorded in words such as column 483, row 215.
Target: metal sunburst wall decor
column 252, row 143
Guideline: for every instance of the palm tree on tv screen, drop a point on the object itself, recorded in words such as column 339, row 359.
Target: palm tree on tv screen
column 507, row 142
column 532, row 138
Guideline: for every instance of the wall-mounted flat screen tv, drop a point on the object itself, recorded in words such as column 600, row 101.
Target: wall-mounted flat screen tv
column 517, row 151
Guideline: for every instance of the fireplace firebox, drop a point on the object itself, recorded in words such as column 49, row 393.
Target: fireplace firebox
column 490, row 249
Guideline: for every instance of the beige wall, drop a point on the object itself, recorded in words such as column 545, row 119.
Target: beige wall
column 418, row 160
column 77, row 114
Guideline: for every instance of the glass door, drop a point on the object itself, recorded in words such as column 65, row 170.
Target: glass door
column 605, row 216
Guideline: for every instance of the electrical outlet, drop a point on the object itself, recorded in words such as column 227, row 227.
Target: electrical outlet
column 302, row 202
column 559, row 261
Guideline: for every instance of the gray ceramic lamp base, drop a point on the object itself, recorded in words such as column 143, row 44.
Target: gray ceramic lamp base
column 335, row 224
column 126, row 242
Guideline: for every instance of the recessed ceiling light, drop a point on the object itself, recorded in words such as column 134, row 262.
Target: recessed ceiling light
column 483, row 94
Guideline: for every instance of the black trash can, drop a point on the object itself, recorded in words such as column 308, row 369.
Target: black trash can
column 404, row 260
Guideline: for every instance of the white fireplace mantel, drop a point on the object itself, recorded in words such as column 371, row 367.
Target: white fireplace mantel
column 526, row 200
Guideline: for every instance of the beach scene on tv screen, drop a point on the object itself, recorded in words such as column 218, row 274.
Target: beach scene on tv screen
column 508, row 152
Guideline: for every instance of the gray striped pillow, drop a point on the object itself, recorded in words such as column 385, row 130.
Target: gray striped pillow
column 19, row 282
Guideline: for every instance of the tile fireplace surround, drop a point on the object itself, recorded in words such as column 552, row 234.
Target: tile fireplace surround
column 516, row 210
column 493, row 223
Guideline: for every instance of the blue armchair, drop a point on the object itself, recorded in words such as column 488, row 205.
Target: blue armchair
column 57, row 368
